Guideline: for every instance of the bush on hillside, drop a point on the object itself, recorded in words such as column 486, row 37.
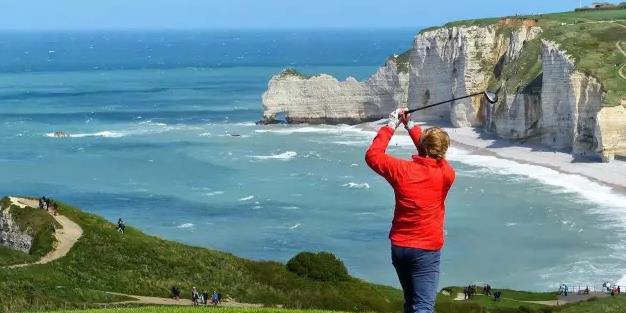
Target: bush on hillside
column 322, row 266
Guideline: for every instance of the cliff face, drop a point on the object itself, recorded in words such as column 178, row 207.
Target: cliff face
column 324, row 99
column 451, row 62
column 11, row 235
column 543, row 98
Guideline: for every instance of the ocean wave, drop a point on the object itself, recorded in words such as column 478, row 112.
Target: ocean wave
column 105, row 134
column 295, row 226
column 327, row 129
column 570, row 183
column 285, row 156
column 185, row 225
column 584, row 187
column 214, row 193
column 246, row 198
column 353, row 185
column 143, row 128
column 357, row 143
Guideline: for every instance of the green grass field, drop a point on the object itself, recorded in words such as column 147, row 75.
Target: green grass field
column 606, row 305
column 177, row 309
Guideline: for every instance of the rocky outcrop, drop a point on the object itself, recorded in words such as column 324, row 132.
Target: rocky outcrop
column 324, row 99
column 543, row 98
column 570, row 104
column 610, row 131
column 11, row 235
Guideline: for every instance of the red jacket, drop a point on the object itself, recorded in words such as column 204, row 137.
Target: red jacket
column 420, row 186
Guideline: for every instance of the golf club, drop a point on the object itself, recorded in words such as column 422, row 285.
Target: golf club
column 492, row 97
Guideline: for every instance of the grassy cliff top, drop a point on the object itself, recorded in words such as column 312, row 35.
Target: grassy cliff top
column 589, row 37
column 139, row 264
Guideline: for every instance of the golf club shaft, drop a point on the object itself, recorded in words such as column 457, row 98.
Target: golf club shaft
column 442, row 102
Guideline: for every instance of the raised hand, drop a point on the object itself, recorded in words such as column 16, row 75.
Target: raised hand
column 395, row 118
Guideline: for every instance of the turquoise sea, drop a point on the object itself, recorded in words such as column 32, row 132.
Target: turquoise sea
column 163, row 135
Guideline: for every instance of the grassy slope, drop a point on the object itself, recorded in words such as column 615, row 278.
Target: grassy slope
column 196, row 310
column 35, row 222
column 135, row 263
column 606, row 305
column 588, row 40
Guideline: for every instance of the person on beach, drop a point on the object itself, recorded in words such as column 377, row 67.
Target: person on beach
column 420, row 186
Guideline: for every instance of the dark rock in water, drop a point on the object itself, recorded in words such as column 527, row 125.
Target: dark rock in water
column 60, row 134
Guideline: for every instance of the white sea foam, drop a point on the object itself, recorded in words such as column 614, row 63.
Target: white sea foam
column 246, row 198
column 204, row 134
column 285, row 156
column 570, row 183
column 357, row 143
column 295, row 226
column 287, row 130
column 214, row 193
column 511, row 224
column 353, row 185
column 105, row 134
column 185, row 225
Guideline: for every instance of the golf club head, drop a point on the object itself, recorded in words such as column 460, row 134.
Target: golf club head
column 492, row 97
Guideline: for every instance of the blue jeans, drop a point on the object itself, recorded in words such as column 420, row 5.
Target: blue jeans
column 418, row 271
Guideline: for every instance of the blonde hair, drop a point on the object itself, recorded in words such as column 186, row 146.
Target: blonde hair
column 434, row 143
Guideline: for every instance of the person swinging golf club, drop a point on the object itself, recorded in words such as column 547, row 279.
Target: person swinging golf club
column 420, row 186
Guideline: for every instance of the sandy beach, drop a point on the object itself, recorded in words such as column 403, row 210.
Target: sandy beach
column 612, row 174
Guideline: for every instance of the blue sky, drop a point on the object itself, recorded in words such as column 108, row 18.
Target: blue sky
column 235, row 14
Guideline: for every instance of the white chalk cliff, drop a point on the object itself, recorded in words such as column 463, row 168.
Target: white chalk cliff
column 554, row 104
column 11, row 236
column 324, row 99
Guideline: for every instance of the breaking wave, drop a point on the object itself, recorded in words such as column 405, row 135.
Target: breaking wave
column 246, row 198
column 105, row 134
column 352, row 185
column 285, row 156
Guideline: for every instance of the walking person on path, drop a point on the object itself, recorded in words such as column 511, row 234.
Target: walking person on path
column 420, row 186
column 120, row 225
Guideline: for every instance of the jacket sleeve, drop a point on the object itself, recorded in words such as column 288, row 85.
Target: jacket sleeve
column 377, row 158
column 416, row 134
column 449, row 175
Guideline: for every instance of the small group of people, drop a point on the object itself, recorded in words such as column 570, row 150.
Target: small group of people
column 563, row 290
column 199, row 298
column 612, row 288
column 472, row 290
column 487, row 290
column 48, row 205
column 468, row 292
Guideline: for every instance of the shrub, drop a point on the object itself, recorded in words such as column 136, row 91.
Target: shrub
column 322, row 266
